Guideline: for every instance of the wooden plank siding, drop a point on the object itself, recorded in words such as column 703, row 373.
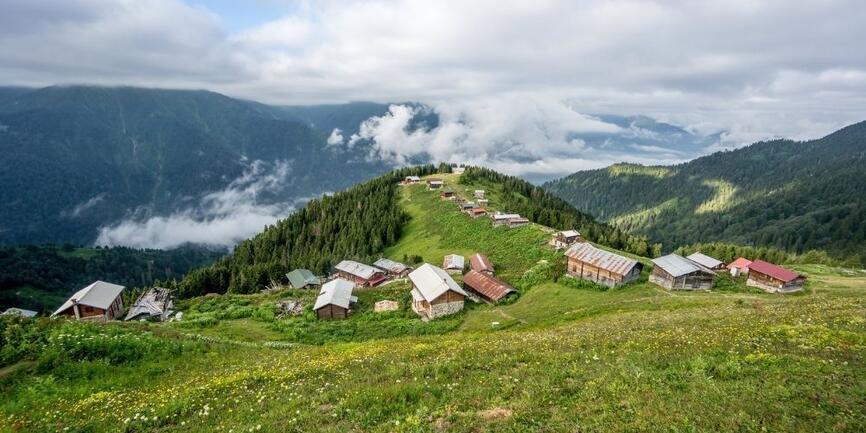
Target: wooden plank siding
column 587, row 271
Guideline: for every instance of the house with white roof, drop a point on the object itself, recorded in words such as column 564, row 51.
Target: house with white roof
column 434, row 292
column 335, row 299
column 360, row 273
column 454, row 263
column 676, row 272
column 98, row 301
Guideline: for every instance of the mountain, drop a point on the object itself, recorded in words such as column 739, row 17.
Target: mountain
column 363, row 221
column 795, row 196
column 77, row 158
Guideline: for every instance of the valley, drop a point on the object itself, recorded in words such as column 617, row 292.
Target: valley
column 563, row 356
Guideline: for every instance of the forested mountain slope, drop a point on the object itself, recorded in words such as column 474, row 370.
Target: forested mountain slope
column 796, row 196
column 361, row 222
column 76, row 158
column 41, row 277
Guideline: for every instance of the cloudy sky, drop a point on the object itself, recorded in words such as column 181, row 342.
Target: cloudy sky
column 751, row 68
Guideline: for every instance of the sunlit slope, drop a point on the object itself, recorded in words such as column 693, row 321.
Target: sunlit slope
column 563, row 357
column 796, row 196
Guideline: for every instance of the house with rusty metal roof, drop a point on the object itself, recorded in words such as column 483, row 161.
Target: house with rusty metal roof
column 675, row 272
column 480, row 263
column 487, row 286
column 773, row 278
column 588, row 262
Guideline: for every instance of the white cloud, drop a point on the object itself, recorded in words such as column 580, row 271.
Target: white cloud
column 221, row 218
column 756, row 68
column 336, row 137
column 85, row 206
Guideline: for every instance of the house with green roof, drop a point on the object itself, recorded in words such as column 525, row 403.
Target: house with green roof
column 302, row 278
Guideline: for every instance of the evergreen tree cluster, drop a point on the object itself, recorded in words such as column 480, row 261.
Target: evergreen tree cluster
column 354, row 224
column 38, row 277
column 542, row 207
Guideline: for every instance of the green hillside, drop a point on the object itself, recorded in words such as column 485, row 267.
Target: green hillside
column 564, row 356
column 794, row 196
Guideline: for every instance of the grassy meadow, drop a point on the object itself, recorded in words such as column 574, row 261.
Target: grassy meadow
column 563, row 357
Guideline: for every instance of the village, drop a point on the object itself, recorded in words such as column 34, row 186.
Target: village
column 442, row 289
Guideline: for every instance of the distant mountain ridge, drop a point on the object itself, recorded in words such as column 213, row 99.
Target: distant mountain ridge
column 796, row 196
column 80, row 157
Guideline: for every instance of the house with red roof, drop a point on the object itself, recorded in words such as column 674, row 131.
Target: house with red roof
column 739, row 267
column 773, row 278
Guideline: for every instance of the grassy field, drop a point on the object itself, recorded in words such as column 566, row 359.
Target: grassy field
column 564, row 357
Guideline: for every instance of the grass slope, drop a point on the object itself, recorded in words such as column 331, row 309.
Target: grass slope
column 564, row 357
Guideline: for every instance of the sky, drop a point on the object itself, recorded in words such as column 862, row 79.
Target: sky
column 747, row 69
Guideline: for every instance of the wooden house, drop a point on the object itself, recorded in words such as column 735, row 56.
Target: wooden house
column 587, row 262
column 154, row 304
column 480, row 263
column 479, row 193
column 98, row 301
column 447, row 194
column 707, row 261
column 487, row 286
column 434, row 183
column 517, row 222
column 501, row 219
column 302, row 279
column 565, row 239
column 773, row 278
column 739, row 267
column 392, row 268
column 335, row 300
column 411, row 180
column 477, row 212
column 435, row 293
column 467, row 206
column 454, row 263
column 359, row 273
column 675, row 272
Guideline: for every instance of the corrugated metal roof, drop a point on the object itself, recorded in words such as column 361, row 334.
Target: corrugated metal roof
column 772, row 270
column 357, row 269
column 587, row 253
column 301, row 278
column 677, row 265
column 705, row 260
column 152, row 303
column 390, row 265
column 15, row 311
column 740, row 263
column 492, row 288
column 569, row 233
column 99, row 295
column 335, row 292
column 431, row 282
column 480, row 263
column 454, row 261
column 504, row 216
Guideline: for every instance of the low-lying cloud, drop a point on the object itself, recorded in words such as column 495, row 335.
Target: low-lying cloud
column 527, row 135
column 220, row 219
